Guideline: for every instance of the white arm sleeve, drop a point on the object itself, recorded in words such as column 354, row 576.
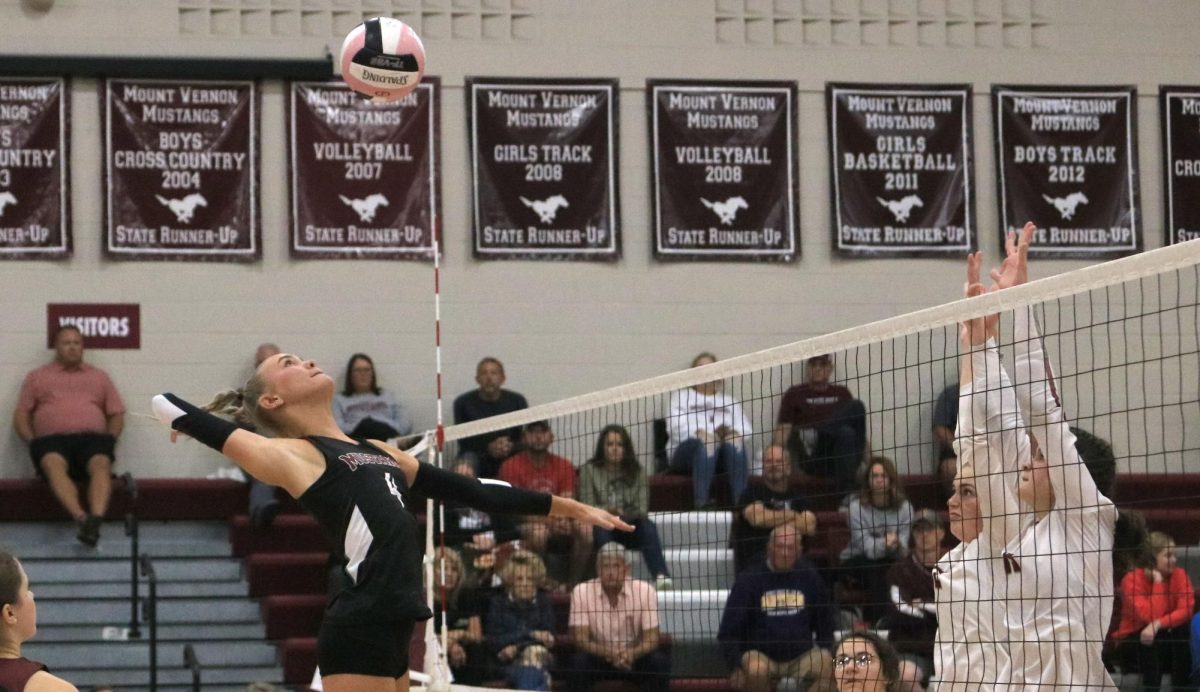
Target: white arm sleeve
column 991, row 437
column 1036, row 393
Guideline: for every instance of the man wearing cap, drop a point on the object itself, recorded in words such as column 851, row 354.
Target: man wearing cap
column 614, row 624
column 536, row 468
column 912, row 624
column 821, row 423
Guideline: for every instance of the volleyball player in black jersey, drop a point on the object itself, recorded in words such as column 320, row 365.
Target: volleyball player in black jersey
column 357, row 492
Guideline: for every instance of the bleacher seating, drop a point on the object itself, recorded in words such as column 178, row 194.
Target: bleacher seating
column 285, row 565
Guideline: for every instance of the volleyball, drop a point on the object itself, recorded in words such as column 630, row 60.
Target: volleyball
column 382, row 59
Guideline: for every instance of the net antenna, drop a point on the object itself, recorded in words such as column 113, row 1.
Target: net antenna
column 437, row 668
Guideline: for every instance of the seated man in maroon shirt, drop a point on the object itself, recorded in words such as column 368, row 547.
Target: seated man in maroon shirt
column 69, row 413
column 823, row 425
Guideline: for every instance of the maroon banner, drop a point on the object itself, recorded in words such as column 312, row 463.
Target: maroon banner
column 34, row 158
column 1180, row 109
column 544, row 162
column 724, row 184
column 181, row 161
column 1066, row 159
column 902, row 175
column 103, row 325
column 364, row 175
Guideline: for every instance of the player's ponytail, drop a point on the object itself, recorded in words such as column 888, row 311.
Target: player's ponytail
column 241, row 404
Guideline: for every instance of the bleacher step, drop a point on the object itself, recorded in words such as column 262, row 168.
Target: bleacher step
column 118, row 590
column 171, row 673
column 69, row 655
column 190, row 632
column 170, row 610
column 47, row 570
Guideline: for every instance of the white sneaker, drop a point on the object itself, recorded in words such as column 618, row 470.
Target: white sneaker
column 662, row 582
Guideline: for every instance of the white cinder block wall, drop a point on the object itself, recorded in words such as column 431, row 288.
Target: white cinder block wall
column 561, row 328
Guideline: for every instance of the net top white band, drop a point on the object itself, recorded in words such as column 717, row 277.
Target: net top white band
column 1062, row 285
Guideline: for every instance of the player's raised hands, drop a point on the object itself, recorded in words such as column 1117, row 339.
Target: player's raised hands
column 1014, row 271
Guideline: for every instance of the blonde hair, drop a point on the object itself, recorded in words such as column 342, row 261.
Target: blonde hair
column 523, row 559
column 242, row 404
column 1158, row 541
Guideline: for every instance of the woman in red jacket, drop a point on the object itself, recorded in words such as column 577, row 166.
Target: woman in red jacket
column 1158, row 606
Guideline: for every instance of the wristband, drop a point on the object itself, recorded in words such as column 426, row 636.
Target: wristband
column 192, row 421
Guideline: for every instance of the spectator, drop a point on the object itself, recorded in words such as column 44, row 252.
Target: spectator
column 763, row 507
column 880, row 520
column 614, row 624
column 70, row 415
column 464, row 619
column 536, row 468
column 912, row 624
column 945, row 418
column 364, row 410
column 474, row 532
column 614, row 479
column 823, row 425
column 706, row 429
column 1158, row 604
column 866, row 662
column 263, row 504
column 520, row 624
column 778, row 621
column 18, row 624
column 487, row 451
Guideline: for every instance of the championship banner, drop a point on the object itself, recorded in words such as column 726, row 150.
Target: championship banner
column 903, row 182
column 33, row 169
column 724, row 171
column 1180, row 108
column 180, row 162
column 1066, row 159
column 544, row 163
column 364, row 175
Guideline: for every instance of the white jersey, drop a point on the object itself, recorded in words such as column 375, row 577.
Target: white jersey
column 1059, row 584
column 970, row 652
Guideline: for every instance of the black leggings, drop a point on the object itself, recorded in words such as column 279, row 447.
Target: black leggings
column 1168, row 654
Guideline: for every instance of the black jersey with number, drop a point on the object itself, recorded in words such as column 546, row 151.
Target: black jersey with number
column 360, row 503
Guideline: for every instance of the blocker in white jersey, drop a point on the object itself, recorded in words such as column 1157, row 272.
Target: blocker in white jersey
column 1059, row 585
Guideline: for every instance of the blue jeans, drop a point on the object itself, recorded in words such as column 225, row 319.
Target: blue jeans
column 526, row 677
column 692, row 456
column 644, row 537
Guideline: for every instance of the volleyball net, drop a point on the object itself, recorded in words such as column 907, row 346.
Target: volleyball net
column 794, row 437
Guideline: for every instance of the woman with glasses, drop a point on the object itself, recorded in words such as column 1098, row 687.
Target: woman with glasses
column 864, row 662
column 363, row 409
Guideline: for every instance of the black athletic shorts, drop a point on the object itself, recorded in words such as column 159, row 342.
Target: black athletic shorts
column 77, row 448
column 373, row 648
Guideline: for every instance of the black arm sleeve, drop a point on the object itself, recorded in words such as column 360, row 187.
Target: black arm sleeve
column 447, row 486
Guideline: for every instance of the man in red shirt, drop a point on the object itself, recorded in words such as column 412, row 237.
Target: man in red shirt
column 536, row 468
column 70, row 415
column 823, row 425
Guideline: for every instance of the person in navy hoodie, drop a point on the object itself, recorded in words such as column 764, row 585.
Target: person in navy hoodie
column 778, row 622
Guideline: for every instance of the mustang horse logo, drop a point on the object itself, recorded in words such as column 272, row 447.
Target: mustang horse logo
column 728, row 209
column 365, row 207
column 6, row 198
column 1066, row 205
column 547, row 208
column 183, row 208
column 903, row 207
